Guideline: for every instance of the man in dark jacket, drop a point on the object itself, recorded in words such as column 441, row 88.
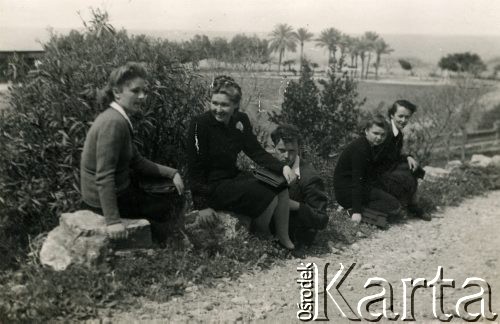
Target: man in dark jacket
column 308, row 199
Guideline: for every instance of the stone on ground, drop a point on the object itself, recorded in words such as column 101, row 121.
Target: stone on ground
column 454, row 164
column 228, row 226
column 81, row 239
column 480, row 160
column 432, row 172
column 495, row 161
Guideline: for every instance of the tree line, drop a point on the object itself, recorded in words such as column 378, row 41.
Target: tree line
column 343, row 49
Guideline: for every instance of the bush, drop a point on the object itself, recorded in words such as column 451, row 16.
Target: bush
column 441, row 115
column 53, row 106
column 327, row 116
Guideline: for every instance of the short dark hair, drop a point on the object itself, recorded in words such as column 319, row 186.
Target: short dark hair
column 226, row 85
column 401, row 103
column 287, row 133
column 376, row 119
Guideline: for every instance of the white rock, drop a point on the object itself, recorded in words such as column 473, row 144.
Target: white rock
column 432, row 172
column 54, row 252
column 81, row 239
column 480, row 160
column 454, row 164
column 495, row 161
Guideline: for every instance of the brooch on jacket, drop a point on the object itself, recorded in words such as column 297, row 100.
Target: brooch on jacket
column 239, row 126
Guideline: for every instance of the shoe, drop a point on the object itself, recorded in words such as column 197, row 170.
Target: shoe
column 284, row 247
column 419, row 213
column 298, row 253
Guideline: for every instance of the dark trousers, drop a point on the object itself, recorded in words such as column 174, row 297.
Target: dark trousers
column 164, row 211
column 375, row 199
column 400, row 182
column 299, row 231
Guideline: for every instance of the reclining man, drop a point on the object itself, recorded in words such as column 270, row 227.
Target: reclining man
column 308, row 199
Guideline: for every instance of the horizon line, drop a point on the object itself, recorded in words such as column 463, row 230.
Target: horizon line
column 202, row 32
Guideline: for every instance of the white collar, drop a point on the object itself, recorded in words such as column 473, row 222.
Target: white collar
column 122, row 112
column 296, row 166
column 395, row 130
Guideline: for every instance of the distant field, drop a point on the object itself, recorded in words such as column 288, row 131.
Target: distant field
column 271, row 91
column 387, row 93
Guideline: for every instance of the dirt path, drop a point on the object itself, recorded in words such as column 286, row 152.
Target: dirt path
column 464, row 240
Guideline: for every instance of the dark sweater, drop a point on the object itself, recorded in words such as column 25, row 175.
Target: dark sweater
column 310, row 192
column 389, row 154
column 352, row 171
column 213, row 149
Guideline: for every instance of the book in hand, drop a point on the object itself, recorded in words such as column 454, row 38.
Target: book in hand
column 271, row 178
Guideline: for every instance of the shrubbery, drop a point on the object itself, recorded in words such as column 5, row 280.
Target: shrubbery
column 52, row 108
column 327, row 115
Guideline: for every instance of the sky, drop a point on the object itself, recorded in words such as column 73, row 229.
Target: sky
column 430, row 17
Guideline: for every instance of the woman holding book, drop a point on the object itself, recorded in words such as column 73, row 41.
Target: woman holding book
column 215, row 139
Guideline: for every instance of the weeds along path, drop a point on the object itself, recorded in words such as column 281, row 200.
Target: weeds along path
column 464, row 240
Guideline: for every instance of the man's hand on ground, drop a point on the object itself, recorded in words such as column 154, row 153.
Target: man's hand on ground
column 356, row 217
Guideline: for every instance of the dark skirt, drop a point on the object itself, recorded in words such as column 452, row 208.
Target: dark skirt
column 399, row 182
column 243, row 194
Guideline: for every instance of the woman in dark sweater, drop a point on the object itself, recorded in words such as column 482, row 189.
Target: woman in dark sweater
column 352, row 173
column 395, row 171
column 215, row 139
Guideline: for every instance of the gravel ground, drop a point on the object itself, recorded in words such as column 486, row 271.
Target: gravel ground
column 464, row 240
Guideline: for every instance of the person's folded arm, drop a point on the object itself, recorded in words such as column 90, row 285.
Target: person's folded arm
column 149, row 168
column 255, row 151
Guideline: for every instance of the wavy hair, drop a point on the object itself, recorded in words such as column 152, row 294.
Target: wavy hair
column 226, row 85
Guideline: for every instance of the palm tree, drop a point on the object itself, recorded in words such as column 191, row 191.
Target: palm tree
column 303, row 35
column 381, row 47
column 370, row 38
column 361, row 48
column 344, row 42
column 329, row 39
column 353, row 48
column 282, row 39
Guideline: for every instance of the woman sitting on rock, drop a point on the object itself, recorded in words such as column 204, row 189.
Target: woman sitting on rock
column 351, row 179
column 109, row 155
column 215, row 139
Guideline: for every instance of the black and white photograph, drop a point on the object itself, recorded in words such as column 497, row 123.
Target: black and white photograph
column 287, row 161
